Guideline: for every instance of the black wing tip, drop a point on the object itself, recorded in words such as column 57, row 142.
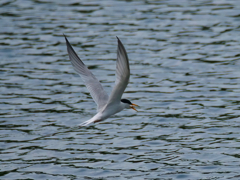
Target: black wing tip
column 118, row 39
column 65, row 37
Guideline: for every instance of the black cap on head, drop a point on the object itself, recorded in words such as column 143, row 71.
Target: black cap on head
column 126, row 101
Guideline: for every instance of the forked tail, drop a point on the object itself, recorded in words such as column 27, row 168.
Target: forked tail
column 87, row 122
column 94, row 119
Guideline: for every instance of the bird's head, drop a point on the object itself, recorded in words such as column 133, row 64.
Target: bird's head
column 128, row 104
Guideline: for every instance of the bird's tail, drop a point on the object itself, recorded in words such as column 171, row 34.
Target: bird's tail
column 87, row 122
column 94, row 119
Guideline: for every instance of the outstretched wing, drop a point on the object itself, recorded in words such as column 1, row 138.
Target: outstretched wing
column 122, row 75
column 93, row 85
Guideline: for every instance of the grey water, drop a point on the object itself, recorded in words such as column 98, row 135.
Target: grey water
column 185, row 76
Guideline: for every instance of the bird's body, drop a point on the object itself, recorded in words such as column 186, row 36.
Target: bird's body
column 106, row 106
column 105, row 113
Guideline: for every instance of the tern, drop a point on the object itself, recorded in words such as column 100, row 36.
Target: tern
column 106, row 106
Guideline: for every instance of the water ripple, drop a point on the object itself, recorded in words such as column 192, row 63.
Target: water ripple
column 184, row 58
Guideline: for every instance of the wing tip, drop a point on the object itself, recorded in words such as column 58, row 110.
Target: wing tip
column 118, row 39
column 65, row 37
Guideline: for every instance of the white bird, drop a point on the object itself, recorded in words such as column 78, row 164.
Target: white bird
column 106, row 106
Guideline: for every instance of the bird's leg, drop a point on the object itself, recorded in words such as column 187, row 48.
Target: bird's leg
column 97, row 120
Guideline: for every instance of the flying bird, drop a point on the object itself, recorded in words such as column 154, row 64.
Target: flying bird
column 106, row 105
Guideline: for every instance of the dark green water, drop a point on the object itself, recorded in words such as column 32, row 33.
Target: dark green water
column 185, row 74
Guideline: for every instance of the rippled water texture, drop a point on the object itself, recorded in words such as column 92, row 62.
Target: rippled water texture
column 185, row 75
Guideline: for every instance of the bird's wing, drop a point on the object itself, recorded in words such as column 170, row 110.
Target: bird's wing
column 122, row 75
column 93, row 85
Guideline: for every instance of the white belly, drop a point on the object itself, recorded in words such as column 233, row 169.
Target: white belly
column 104, row 114
column 110, row 110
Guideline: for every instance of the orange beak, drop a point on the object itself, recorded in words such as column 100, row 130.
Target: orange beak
column 132, row 106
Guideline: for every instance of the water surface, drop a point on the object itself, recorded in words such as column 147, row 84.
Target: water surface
column 185, row 75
